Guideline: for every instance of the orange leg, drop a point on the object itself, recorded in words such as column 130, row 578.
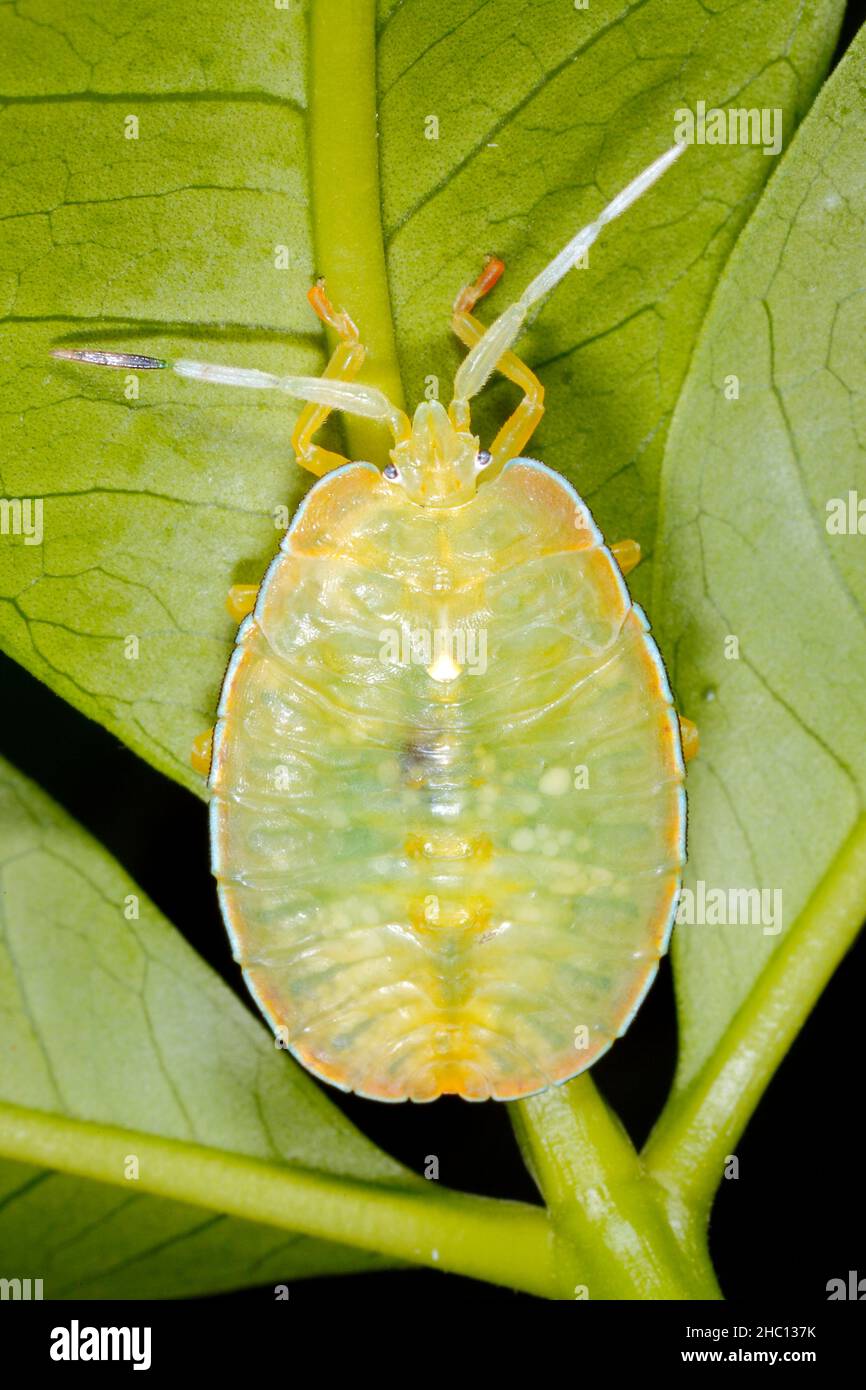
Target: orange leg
column 626, row 554
column 202, row 752
column 518, row 428
column 241, row 600
column 689, row 737
column 344, row 365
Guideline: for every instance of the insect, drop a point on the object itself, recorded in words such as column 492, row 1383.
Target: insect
column 446, row 780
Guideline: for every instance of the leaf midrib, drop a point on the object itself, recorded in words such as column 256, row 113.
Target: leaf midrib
column 504, row 1242
column 345, row 193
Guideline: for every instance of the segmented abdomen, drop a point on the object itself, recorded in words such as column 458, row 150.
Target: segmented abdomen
column 448, row 817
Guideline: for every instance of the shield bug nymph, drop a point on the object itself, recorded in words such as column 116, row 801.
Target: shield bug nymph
column 442, row 875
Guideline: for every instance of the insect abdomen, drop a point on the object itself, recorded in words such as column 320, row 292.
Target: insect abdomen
column 448, row 820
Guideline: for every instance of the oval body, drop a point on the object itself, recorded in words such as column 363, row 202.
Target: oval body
column 448, row 818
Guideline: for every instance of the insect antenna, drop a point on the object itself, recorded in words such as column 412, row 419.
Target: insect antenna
column 480, row 362
column 133, row 361
column 351, row 397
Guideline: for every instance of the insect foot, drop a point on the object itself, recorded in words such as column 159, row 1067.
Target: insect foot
column 202, row 751
column 690, row 739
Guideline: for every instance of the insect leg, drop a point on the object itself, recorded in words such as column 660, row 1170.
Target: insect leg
column 517, row 429
column 241, row 600
column 344, row 365
column 202, row 752
column 689, row 737
column 626, row 554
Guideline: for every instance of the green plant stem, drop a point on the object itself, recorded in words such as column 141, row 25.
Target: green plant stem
column 613, row 1234
column 344, row 189
column 506, row 1243
column 699, row 1127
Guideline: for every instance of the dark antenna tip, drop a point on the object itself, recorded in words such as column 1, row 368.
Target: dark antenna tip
column 130, row 360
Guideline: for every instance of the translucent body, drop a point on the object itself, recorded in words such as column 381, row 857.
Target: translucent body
column 448, row 821
column 448, row 863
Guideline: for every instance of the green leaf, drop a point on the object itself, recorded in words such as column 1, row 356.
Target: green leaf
column 115, row 1020
column 777, row 793
column 169, row 242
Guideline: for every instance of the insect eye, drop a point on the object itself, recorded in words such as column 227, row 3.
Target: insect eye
column 484, row 457
column 391, row 472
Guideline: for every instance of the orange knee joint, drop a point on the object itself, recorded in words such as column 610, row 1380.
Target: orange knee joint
column 322, row 306
column 470, row 294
